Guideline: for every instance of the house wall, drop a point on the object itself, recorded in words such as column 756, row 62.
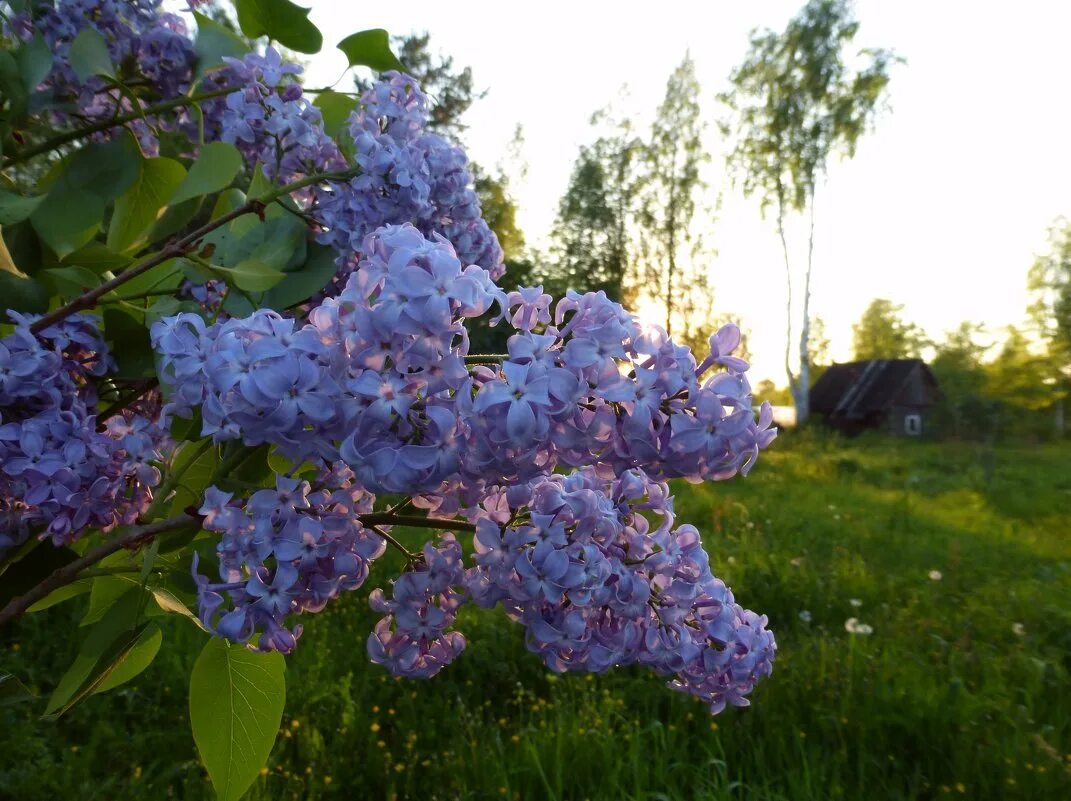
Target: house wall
column 897, row 420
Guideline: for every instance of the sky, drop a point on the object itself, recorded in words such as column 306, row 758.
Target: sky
column 943, row 208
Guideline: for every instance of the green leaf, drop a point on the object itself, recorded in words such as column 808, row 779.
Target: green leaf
column 89, row 55
column 13, row 691
column 302, row 284
column 227, row 202
column 195, row 477
column 370, row 48
column 65, row 593
column 15, row 208
column 35, row 61
column 336, row 109
column 23, row 294
column 164, row 276
column 115, row 638
column 213, row 171
column 103, row 595
column 169, row 602
column 214, row 41
column 252, row 275
column 130, row 343
column 139, row 656
column 13, row 95
column 138, row 209
column 236, row 705
column 281, row 21
column 175, row 218
column 97, row 258
column 259, row 185
column 82, row 187
column 69, row 282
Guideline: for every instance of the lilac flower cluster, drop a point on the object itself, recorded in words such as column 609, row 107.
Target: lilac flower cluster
column 408, row 175
column 268, row 118
column 156, row 45
column 281, row 552
column 59, row 474
column 378, row 378
column 597, row 387
column 413, row 640
column 578, row 561
column 374, row 376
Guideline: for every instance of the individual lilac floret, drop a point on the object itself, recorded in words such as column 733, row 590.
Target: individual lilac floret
column 407, row 176
column 412, row 640
column 283, row 552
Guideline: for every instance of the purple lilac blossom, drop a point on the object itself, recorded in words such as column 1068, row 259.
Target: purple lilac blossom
column 268, row 119
column 59, row 475
column 408, row 175
column 156, row 45
column 599, row 576
column 378, row 378
column 412, row 639
column 282, row 552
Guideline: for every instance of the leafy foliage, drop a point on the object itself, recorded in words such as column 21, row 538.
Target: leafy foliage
column 882, row 334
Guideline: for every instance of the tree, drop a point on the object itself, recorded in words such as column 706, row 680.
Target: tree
column 1050, row 311
column 794, row 102
column 818, row 348
column 882, row 334
column 958, row 365
column 592, row 241
column 1020, row 379
column 674, row 155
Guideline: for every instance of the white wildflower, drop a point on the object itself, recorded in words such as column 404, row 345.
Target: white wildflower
column 853, row 626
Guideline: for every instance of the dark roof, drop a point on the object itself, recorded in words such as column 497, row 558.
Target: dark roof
column 856, row 389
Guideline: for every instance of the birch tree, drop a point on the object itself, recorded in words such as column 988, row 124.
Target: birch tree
column 795, row 100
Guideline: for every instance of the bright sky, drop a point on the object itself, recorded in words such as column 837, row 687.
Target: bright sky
column 942, row 209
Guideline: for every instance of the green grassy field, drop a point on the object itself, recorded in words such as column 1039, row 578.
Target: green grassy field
column 961, row 690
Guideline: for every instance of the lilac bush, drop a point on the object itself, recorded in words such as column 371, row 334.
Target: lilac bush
column 212, row 379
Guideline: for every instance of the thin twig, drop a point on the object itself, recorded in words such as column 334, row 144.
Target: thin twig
column 174, row 250
column 181, row 247
column 122, row 119
column 409, row 555
column 133, row 537
column 83, row 133
column 388, row 519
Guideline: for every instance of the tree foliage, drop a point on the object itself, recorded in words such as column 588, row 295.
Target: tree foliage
column 882, row 333
column 673, row 158
column 593, row 236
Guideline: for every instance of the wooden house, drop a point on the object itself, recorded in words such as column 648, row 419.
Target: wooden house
column 892, row 395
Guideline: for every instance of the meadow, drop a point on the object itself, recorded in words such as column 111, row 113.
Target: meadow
column 949, row 563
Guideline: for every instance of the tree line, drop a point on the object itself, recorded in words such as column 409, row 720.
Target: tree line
column 631, row 220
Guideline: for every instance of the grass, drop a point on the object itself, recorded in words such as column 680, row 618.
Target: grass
column 961, row 691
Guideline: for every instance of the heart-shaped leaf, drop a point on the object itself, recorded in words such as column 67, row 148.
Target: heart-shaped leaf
column 370, row 48
column 236, row 705
column 281, row 21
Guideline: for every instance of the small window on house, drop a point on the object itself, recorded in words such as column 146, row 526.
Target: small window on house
column 912, row 424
